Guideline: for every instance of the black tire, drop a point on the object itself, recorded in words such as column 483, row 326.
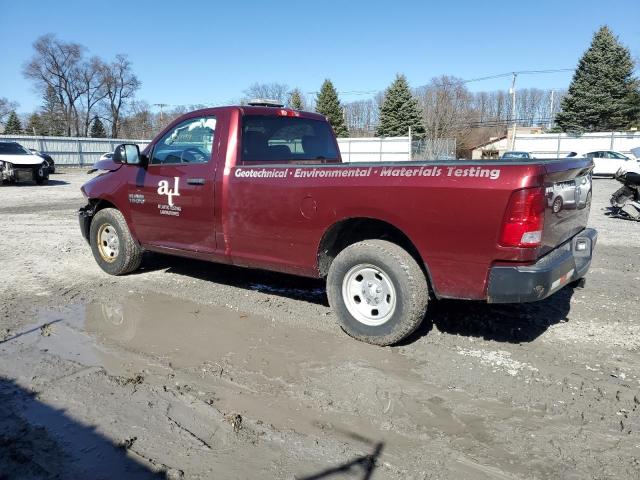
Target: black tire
column 41, row 175
column 404, row 273
column 129, row 253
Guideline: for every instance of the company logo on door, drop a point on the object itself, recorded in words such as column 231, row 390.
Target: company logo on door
column 163, row 189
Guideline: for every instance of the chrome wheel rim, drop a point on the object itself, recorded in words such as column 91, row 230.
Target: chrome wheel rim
column 369, row 294
column 108, row 242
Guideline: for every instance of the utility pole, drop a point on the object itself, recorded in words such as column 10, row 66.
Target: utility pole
column 161, row 106
column 551, row 110
column 512, row 91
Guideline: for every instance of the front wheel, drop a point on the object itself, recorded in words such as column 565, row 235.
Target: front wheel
column 41, row 175
column 378, row 291
column 113, row 247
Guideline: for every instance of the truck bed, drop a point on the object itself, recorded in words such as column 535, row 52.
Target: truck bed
column 450, row 210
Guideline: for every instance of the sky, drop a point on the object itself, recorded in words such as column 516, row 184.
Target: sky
column 208, row 52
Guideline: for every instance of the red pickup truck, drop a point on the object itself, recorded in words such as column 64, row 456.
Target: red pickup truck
column 265, row 187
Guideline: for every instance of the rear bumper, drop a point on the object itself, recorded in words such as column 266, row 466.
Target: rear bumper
column 567, row 263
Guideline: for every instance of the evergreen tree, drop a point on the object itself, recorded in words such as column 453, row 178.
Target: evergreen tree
column 97, row 129
column 13, row 126
column 52, row 114
column 399, row 111
column 603, row 95
column 295, row 100
column 34, row 127
column 328, row 105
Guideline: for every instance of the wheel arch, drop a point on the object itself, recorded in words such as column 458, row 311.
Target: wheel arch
column 352, row 230
column 97, row 204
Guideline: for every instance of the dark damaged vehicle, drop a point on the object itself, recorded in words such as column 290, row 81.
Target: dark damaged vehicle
column 18, row 164
column 265, row 187
column 51, row 164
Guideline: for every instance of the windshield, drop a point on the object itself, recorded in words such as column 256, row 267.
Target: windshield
column 13, row 149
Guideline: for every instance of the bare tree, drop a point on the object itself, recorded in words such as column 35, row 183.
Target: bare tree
column 446, row 107
column 140, row 122
column 120, row 85
column 93, row 89
column 362, row 117
column 271, row 91
column 56, row 64
column 6, row 107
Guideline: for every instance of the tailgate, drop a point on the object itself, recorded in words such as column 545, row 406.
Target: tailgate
column 567, row 185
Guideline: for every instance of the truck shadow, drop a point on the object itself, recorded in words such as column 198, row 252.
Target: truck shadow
column 280, row 284
column 39, row 441
column 507, row 323
column 50, row 183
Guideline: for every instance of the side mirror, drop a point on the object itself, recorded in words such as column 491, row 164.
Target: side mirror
column 128, row 153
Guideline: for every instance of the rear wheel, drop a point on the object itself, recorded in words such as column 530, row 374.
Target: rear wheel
column 378, row 291
column 113, row 247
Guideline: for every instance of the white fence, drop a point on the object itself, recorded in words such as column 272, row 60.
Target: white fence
column 552, row 145
column 389, row 149
column 72, row 150
column 86, row 151
column 548, row 145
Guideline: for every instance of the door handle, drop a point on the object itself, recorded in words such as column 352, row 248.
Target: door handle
column 195, row 181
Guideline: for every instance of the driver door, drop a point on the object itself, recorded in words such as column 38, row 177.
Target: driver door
column 171, row 201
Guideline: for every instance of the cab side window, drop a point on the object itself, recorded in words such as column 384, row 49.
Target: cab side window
column 189, row 142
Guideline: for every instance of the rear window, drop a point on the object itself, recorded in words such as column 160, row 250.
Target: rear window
column 286, row 139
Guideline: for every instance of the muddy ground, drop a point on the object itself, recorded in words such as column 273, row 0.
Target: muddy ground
column 195, row 370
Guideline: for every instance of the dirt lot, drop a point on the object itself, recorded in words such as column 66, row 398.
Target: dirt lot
column 195, row 370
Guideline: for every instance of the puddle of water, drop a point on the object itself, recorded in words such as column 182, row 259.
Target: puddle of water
column 251, row 362
column 156, row 330
column 286, row 374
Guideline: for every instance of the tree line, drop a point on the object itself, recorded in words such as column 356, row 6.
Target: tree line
column 80, row 95
column 604, row 95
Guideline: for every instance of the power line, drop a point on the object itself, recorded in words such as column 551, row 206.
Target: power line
column 374, row 92
column 470, row 80
column 519, row 72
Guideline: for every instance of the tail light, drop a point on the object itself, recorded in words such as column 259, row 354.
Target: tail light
column 524, row 219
